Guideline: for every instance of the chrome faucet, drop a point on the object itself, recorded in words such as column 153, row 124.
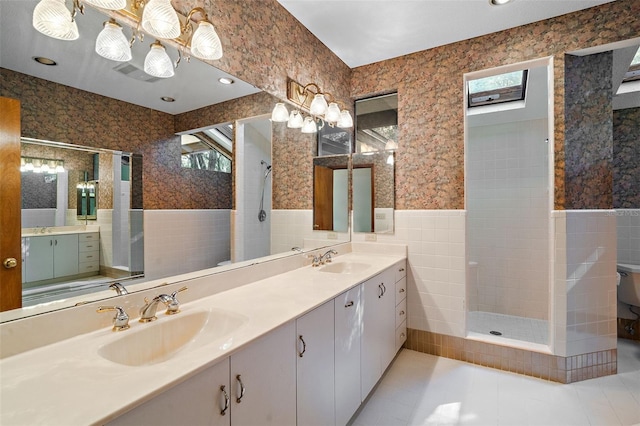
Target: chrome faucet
column 326, row 258
column 120, row 321
column 148, row 311
column 315, row 260
column 119, row 288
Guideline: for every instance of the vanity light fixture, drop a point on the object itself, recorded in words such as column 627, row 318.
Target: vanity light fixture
column 41, row 165
column 53, row 19
column 112, row 44
column 157, row 63
column 310, row 97
column 156, row 17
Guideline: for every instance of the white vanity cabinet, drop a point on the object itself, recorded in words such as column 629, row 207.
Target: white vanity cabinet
column 263, row 380
column 51, row 257
column 401, row 303
column 378, row 330
column 199, row 400
column 315, row 367
column 88, row 252
column 348, row 330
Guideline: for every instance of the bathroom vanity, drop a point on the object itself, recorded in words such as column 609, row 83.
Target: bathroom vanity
column 301, row 347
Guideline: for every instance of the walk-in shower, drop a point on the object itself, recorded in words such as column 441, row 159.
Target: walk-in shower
column 508, row 204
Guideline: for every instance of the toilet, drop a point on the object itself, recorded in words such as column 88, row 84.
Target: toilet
column 629, row 294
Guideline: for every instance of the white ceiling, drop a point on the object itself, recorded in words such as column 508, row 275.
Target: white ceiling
column 361, row 32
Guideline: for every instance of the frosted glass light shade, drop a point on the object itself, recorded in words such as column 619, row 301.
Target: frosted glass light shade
column 309, row 125
column 205, row 43
column 160, row 19
column 53, row 19
column 279, row 113
column 112, row 44
column 333, row 113
column 345, row 121
column 318, row 105
column 157, row 63
column 295, row 120
column 108, row 4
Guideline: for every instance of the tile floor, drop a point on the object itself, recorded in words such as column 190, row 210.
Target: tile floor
column 421, row 389
column 511, row 327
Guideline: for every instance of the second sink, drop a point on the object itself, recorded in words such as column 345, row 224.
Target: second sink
column 344, row 267
column 161, row 340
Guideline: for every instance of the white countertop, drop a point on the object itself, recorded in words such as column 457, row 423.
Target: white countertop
column 59, row 230
column 69, row 383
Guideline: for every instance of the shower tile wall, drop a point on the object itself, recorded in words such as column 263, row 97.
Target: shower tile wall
column 508, row 217
column 179, row 241
column 585, row 281
column 628, row 226
column 436, row 273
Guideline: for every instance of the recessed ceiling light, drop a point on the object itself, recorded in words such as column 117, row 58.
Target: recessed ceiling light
column 499, row 2
column 167, row 99
column 44, row 61
column 225, row 80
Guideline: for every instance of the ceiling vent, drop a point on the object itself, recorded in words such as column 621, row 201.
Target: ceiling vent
column 132, row 71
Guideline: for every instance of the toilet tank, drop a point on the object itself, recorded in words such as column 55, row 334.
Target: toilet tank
column 629, row 288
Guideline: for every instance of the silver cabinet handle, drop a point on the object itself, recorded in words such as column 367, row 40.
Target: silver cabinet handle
column 304, row 346
column 402, row 335
column 226, row 401
column 384, row 289
column 56, row 242
column 401, row 313
column 401, row 290
column 349, row 304
column 242, row 389
column 401, row 270
column 51, row 242
column 381, row 292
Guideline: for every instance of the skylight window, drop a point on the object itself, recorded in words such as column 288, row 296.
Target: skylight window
column 507, row 87
column 634, row 69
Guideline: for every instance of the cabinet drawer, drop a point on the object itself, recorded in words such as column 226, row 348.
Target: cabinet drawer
column 401, row 270
column 91, row 236
column 401, row 312
column 401, row 335
column 89, row 256
column 88, row 246
column 91, row 266
column 401, row 290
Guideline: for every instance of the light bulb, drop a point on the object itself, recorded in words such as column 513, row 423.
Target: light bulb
column 309, row 125
column 390, row 160
column 391, row 144
column 112, row 44
column 28, row 167
column 59, row 167
column 44, row 168
column 160, row 19
column 108, row 4
column 345, row 120
column 157, row 63
column 333, row 113
column 205, row 43
column 53, row 19
column 279, row 113
column 318, row 105
column 295, row 120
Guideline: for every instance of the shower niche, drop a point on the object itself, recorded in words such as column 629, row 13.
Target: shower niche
column 509, row 197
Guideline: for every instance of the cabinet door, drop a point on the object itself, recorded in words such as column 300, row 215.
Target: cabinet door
column 267, row 370
column 378, row 328
column 197, row 401
column 65, row 255
column 348, row 329
column 315, row 367
column 39, row 255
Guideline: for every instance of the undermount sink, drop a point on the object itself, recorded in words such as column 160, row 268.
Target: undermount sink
column 344, row 267
column 161, row 340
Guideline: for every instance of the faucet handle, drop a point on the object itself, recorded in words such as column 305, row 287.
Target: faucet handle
column 173, row 307
column 315, row 260
column 175, row 293
column 120, row 321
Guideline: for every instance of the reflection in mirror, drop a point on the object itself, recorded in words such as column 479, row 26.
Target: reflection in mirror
column 63, row 255
column 377, row 123
column 331, row 193
column 373, row 192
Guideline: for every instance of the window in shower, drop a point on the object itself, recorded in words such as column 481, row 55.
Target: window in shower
column 495, row 89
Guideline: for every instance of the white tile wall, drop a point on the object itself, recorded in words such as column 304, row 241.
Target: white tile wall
column 180, row 241
column 436, row 274
column 294, row 228
column 628, row 235
column 33, row 218
column 585, row 281
column 508, row 218
column 104, row 219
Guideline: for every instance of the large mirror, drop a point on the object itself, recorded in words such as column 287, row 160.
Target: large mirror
column 75, row 238
column 80, row 98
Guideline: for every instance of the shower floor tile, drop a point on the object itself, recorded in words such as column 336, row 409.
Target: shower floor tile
column 510, row 327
